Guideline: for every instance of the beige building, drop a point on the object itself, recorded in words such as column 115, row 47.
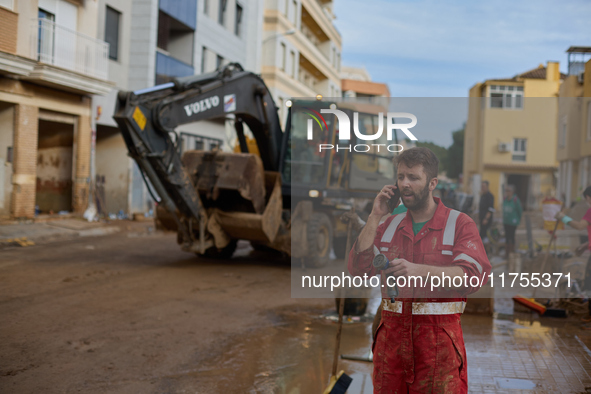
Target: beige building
column 510, row 135
column 50, row 64
column 356, row 83
column 301, row 50
column 574, row 126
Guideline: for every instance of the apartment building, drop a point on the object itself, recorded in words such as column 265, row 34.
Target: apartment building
column 574, row 126
column 301, row 50
column 158, row 40
column 356, row 83
column 511, row 135
column 51, row 63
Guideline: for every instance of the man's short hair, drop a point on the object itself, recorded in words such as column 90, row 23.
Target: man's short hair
column 424, row 156
column 485, row 183
column 587, row 192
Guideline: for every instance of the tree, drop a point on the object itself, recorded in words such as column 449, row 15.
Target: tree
column 455, row 155
column 439, row 151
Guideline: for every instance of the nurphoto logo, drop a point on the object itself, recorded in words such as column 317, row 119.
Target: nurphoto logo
column 345, row 130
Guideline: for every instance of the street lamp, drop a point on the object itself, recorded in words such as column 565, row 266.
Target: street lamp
column 277, row 35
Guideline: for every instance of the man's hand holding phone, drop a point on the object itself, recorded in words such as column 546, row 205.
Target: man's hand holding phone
column 386, row 200
column 379, row 209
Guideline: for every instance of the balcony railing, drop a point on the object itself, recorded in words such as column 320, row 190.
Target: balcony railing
column 171, row 67
column 62, row 47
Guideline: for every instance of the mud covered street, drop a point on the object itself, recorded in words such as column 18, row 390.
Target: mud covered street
column 130, row 313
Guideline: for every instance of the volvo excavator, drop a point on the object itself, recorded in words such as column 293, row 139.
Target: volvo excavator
column 287, row 196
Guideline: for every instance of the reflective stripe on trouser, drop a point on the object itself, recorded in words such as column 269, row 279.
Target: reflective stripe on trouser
column 419, row 353
column 426, row 308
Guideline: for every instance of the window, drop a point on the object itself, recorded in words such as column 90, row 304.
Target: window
column 339, row 62
column 238, row 26
column 292, row 62
column 206, row 7
column 334, row 57
column 112, row 32
column 519, row 147
column 294, row 13
column 203, row 59
column 287, row 2
column 509, row 97
column 282, row 60
column 45, row 35
column 222, row 12
column 219, row 61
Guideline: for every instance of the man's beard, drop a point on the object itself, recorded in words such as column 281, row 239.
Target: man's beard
column 420, row 200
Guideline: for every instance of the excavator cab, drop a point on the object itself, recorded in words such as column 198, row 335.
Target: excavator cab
column 330, row 175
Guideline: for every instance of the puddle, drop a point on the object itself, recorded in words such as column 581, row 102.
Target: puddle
column 517, row 384
column 295, row 356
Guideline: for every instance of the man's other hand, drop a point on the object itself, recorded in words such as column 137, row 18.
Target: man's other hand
column 402, row 267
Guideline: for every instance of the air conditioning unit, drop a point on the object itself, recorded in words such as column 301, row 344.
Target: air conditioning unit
column 504, row 147
column 581, row 77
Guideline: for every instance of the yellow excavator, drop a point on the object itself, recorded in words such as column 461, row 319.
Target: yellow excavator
column 276, row 190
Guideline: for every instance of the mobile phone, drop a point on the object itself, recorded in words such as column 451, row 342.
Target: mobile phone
column 395, row 200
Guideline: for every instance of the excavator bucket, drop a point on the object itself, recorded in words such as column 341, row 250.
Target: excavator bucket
column 243, row 201
column 252, row 226
column 228, row 181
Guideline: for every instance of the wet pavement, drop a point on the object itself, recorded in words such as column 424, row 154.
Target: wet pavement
column 129, row 312
column 518, row 354
column 527, row 355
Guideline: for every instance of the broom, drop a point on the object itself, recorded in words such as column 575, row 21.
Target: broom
column 531, row 302
column 548, row 250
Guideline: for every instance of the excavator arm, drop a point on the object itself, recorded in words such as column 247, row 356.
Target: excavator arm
column 147, row 119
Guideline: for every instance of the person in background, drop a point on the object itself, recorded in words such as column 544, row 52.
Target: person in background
column 584, row 223
column 486, row 208
column 512, row 212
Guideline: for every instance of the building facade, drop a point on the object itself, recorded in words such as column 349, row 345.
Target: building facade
column 158, row 40
column 301, row 50
column 51, row 64
column 574, row 127
column 510, row 135
column 356, row 83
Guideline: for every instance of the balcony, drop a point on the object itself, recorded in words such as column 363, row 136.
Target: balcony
column 184, row 11
column 167, row 67
column 61, row 47
column 62, row 59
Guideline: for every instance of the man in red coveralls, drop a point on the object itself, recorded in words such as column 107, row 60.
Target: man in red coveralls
column 419, row 346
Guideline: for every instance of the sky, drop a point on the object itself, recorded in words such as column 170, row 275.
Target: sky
column 433, row 48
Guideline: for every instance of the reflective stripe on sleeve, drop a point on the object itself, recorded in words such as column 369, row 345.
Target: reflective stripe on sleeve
column 469, row 259
column 450, row 227
column 389, row 233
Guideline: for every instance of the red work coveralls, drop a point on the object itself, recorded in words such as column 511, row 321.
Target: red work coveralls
column 419, row 346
